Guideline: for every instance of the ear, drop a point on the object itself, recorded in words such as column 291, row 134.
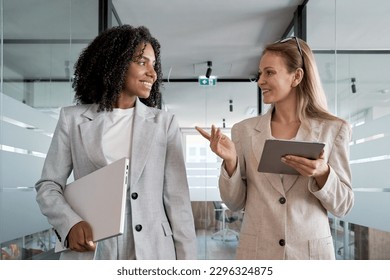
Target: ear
column 298, row 76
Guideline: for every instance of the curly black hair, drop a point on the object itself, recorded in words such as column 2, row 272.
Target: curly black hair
column 100, row 70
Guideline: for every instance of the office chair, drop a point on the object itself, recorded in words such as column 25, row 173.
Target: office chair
column 225, row 234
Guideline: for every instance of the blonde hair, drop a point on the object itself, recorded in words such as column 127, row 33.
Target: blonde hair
column 310, row 94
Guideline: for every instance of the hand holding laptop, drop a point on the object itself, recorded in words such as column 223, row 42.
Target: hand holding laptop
column 105, row 186
column 80, row 238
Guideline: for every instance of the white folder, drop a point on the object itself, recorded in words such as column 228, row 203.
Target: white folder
column 100, row 199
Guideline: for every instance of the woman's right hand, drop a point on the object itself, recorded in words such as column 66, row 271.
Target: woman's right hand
column 80, row 238
column 222, row 146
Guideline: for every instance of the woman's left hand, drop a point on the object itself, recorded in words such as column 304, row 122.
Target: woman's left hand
column 318, row 168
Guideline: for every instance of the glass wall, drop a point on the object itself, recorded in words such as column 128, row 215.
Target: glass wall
column 41, row 39
column 353, row 59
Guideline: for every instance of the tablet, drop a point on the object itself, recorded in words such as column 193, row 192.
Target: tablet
column 275, row 149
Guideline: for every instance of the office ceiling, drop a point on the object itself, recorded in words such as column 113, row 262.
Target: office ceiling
column 232, row 35
column 229, row 33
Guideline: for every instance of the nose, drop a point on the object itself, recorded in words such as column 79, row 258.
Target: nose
column 260, row 81
column 151, row 72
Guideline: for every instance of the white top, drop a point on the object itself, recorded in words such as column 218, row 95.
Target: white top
column 117, row 133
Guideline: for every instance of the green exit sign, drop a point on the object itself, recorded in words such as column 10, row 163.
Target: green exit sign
column 203, row 81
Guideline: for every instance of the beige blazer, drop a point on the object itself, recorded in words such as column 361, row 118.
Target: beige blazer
column 158, row 191
column 287, row 220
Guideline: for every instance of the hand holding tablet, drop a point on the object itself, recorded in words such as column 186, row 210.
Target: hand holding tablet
column 275, row 149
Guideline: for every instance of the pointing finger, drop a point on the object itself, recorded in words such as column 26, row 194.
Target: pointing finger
column 203, row 133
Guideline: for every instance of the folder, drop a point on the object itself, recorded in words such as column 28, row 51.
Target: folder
column 100, row 199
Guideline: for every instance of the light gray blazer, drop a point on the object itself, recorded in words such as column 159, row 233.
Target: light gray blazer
column 287, row 220
column 157, row 175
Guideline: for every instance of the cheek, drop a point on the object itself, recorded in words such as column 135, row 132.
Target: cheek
column 286, row 84
column 130, row 80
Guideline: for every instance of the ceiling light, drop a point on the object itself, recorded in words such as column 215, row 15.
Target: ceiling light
column 209, row 70
column 353, row 86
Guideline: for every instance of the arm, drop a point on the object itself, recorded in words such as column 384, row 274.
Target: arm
column 56, row 170
column 336, row 194
column 231, row 185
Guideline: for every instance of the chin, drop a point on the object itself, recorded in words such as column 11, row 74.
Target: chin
column 144, row 96
column 267, row 102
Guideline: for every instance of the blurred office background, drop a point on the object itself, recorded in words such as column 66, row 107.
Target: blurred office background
column 41, row 40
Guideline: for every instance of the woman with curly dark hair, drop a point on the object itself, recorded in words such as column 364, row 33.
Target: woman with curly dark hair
column 116, row 80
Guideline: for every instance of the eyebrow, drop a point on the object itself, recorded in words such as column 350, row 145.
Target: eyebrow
column 142, row 56
column 267, row 68
column 147, row 58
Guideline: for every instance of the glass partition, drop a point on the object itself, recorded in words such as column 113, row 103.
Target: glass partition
column 41, row 41
column 353, row 56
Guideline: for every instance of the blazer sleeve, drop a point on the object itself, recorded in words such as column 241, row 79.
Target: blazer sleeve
column 336, row 195
column 177, row 198
column 233, row 189
column 56, row 170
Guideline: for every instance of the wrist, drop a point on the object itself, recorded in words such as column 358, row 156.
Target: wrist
column 230, row 166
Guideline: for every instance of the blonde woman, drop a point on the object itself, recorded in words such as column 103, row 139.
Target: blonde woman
column 286, row 216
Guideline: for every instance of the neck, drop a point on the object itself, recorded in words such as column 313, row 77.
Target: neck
column 285, row 111
column 284, row 116
column 125, row 102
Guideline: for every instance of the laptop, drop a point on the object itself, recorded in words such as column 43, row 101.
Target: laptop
column 100, row 199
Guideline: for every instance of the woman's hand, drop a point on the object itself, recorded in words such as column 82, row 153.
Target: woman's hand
column 80, row 238
column 222, row 146
column 318, row 168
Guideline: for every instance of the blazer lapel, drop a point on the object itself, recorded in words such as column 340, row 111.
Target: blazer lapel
column 309, row 130
column 91, row 135
column 143, row 138
column 263, row 132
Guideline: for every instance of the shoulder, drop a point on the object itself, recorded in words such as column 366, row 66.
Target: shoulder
column 79, row 108
column 245, row 129
column 161, row 118
column 336, row 124
column 250, row 123
column 337, row 127
column 159, row 114
column 151, row 112
column 259, row 123
column 79, row 113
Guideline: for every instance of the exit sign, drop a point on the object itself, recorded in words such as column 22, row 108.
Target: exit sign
column 203, row 81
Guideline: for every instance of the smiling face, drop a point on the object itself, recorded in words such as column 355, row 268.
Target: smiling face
column 139, row 77
column 274, row 80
